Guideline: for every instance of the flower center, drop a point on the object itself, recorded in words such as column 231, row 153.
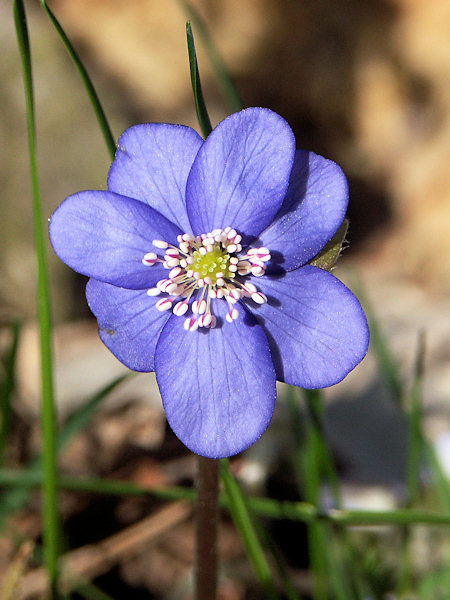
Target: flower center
column 213, row 263
column 209, row 266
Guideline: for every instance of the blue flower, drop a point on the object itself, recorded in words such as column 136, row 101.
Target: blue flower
column 198, row 258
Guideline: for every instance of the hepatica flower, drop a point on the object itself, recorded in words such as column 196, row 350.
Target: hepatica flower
column 198, row 257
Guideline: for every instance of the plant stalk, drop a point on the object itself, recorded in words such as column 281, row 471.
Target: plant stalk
column 206, row 528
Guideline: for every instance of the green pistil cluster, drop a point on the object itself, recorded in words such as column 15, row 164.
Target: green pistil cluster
column 212, row 263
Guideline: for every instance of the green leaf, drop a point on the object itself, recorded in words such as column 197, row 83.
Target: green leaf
column 237, row 506
column 200, row 106
column 93, row 97
column 223, row 79
column 328, row 256
column 48, row 416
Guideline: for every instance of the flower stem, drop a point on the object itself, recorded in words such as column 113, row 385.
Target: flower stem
column 206, row 528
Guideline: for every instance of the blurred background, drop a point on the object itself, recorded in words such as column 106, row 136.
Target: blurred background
column 365, row 83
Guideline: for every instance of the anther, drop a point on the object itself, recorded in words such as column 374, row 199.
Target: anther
column 257, row 270
column 153, row 292
column 175, row 272
column 180, row 308
column 259, row 298
column 191, row 324
column 160, row 244
column 163, row 304
column 150, row 259
column 232, row 315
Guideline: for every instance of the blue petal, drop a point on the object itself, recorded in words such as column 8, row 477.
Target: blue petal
column 105, row 236
column 217, row 386
column 152, row 164
column 316, row 327
column 241, row 173
column 128, row 323
column 312, row 211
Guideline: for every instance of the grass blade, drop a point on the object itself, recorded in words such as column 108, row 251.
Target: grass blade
column 415, row 434
column 200, row 106
column 237, row 506
column 93, row 97
column 48, row 417
column 264, row 507
column 225, row 84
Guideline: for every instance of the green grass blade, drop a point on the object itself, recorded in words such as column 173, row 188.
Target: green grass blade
column 415, row 434
column 330, row 550
column 93, row 97
column 415, row 438
column 31, row 479
column 264, row 507
column 314, row 405
column 200, row 106
column 7, row 386
column 310, row 462
column 225, row 84
column 48, row 417
column 237, row 506
column 440, row 481
column 91, row 592
column 340, row 559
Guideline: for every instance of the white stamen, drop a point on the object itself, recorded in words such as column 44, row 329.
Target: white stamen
column 257, row 270
column 160, row 244
column 162, row 284
column 172, row 253
column 150, row 259
column 199, row 307
column 234, row 295
column 259, row 298
column 263, row 254
column 180, row 308
column 164, row 304
column 249, row 288
column 153, row 292
column 172, row 262
column 175, row 272
column 191, row 324
column 232, row 315
column 174, row 289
